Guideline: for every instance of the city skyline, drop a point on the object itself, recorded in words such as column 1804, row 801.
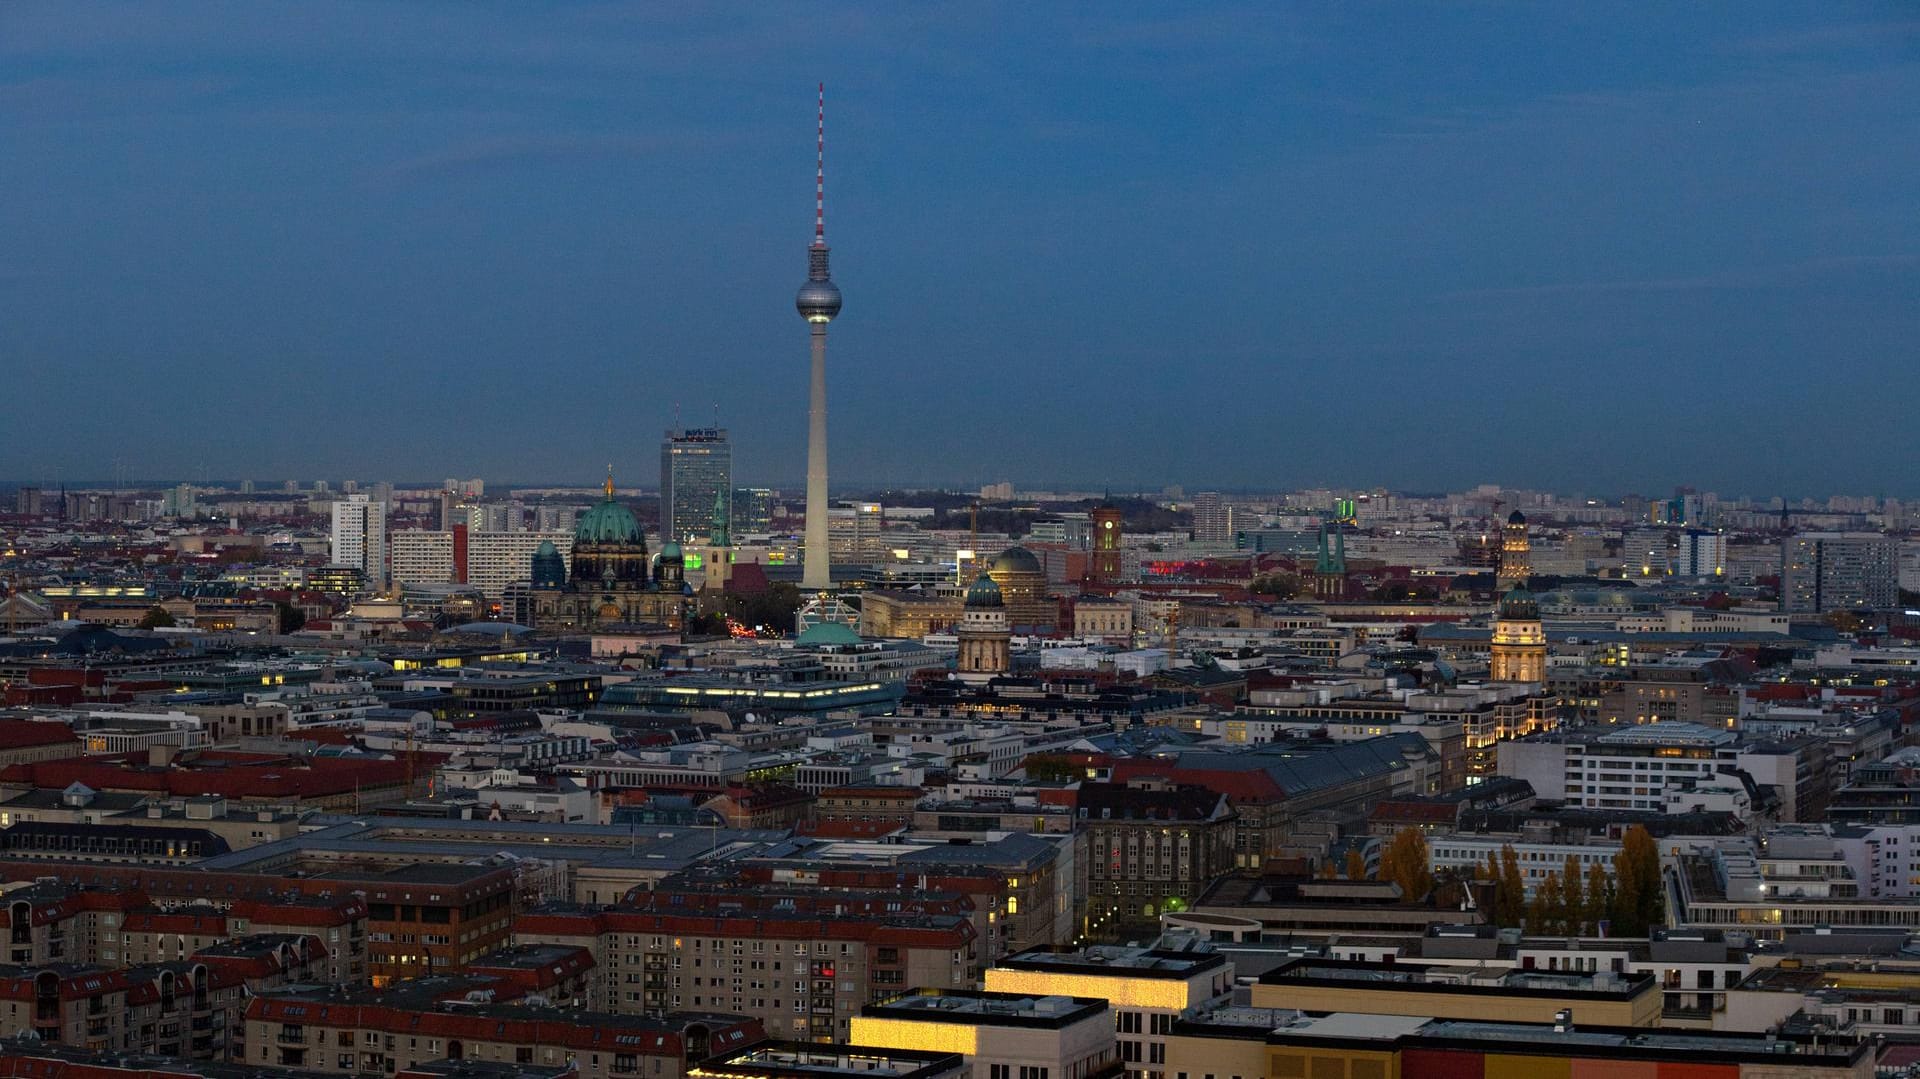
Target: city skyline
column 1681, row 252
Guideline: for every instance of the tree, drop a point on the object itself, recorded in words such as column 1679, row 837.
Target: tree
column 1546, row 914
column 1043, row 768
column 1573, row 899
column 1599, row 896
column 1327, row 871
column 288, row 618
column 1405, row 862
column 156, row 618
column 1639, row 898
column 1356, row 864
column 1845, row 622
column 1284, row 585
column 1513, row 888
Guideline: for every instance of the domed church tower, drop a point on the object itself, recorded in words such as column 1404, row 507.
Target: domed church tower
column 985, row 640
column 1519, row 651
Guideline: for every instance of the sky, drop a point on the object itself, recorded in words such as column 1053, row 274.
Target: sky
column 1588, row 247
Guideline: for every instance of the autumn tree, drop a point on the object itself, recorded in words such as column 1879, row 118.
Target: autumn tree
column 156, row 618
column 1356, row 864
column 1513, row 889
column 1046, row 768
column 1599, row 896
column 1405, row 862
column 1639, row 898
column 1546, row 913
column 1573, row 899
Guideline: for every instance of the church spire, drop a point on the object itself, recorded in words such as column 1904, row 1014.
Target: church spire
column 719, row 535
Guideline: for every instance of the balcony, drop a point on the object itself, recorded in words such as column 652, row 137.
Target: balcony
column 292, row 1037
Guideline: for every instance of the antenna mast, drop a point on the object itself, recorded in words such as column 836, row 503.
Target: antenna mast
column 820, row 176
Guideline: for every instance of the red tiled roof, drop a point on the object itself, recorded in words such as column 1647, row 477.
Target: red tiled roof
column 26, row 733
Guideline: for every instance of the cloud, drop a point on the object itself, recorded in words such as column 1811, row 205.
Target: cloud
column 1737, row 278
column 515, row 149
column 1898, row 33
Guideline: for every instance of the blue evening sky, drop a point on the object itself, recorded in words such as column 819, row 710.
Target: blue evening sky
column 1592, row 247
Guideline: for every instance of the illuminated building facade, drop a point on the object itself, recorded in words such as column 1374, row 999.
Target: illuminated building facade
column 1330, row 564
column 1519, row 649
column 1211, row 519
column 999, row 1033
column 1108, row 526
column 1516, row 554
column 984, row 637
column 1151, row 849
column 359, row 537
column 696, row 469
column 1023, row 590
column 1147, row 989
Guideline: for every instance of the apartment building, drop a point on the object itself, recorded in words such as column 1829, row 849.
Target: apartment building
column 430, row 1019
column 801, row 961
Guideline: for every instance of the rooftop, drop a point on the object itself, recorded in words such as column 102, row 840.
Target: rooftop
column 981, row 1008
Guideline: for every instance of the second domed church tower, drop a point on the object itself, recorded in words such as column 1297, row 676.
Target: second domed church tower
column 985, row 638
column 1519, row 649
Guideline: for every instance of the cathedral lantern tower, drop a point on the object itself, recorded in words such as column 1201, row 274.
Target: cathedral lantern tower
column 1516, row 554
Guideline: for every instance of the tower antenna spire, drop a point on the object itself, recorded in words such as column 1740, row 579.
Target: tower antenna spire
column 820, row 176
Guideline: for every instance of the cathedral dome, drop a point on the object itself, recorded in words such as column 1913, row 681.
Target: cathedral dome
column 670, row 552
column 1516, row 518
column 1017, row 560
column 984, row 593
column 608, row 522
column 1519, row 605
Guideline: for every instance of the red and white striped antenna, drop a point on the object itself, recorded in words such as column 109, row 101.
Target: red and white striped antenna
column 820, row 177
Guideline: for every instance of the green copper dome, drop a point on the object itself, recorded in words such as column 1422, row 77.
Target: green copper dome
column 608, row 522
column 984, row 593
column 1518, row 604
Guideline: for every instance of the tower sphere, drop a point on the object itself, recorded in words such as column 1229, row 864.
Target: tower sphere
column 818, row 301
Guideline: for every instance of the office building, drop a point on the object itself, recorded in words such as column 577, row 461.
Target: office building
column 1701, row 554
column 1003, row 1034
column 422, row 556
column 1148, row 988
column 696, row 469
column 488, row 561
column 1211, row 524
column 1832, row 571
column 752, row 511
column 1296, row 1043
column 359, row 537
column 1528, row 996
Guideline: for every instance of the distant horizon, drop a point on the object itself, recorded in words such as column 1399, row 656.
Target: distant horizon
column 795, row 488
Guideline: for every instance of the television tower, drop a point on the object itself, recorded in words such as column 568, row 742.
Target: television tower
column 818, row 302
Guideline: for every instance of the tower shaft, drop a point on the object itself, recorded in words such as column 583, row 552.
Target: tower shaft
column 816, row 574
